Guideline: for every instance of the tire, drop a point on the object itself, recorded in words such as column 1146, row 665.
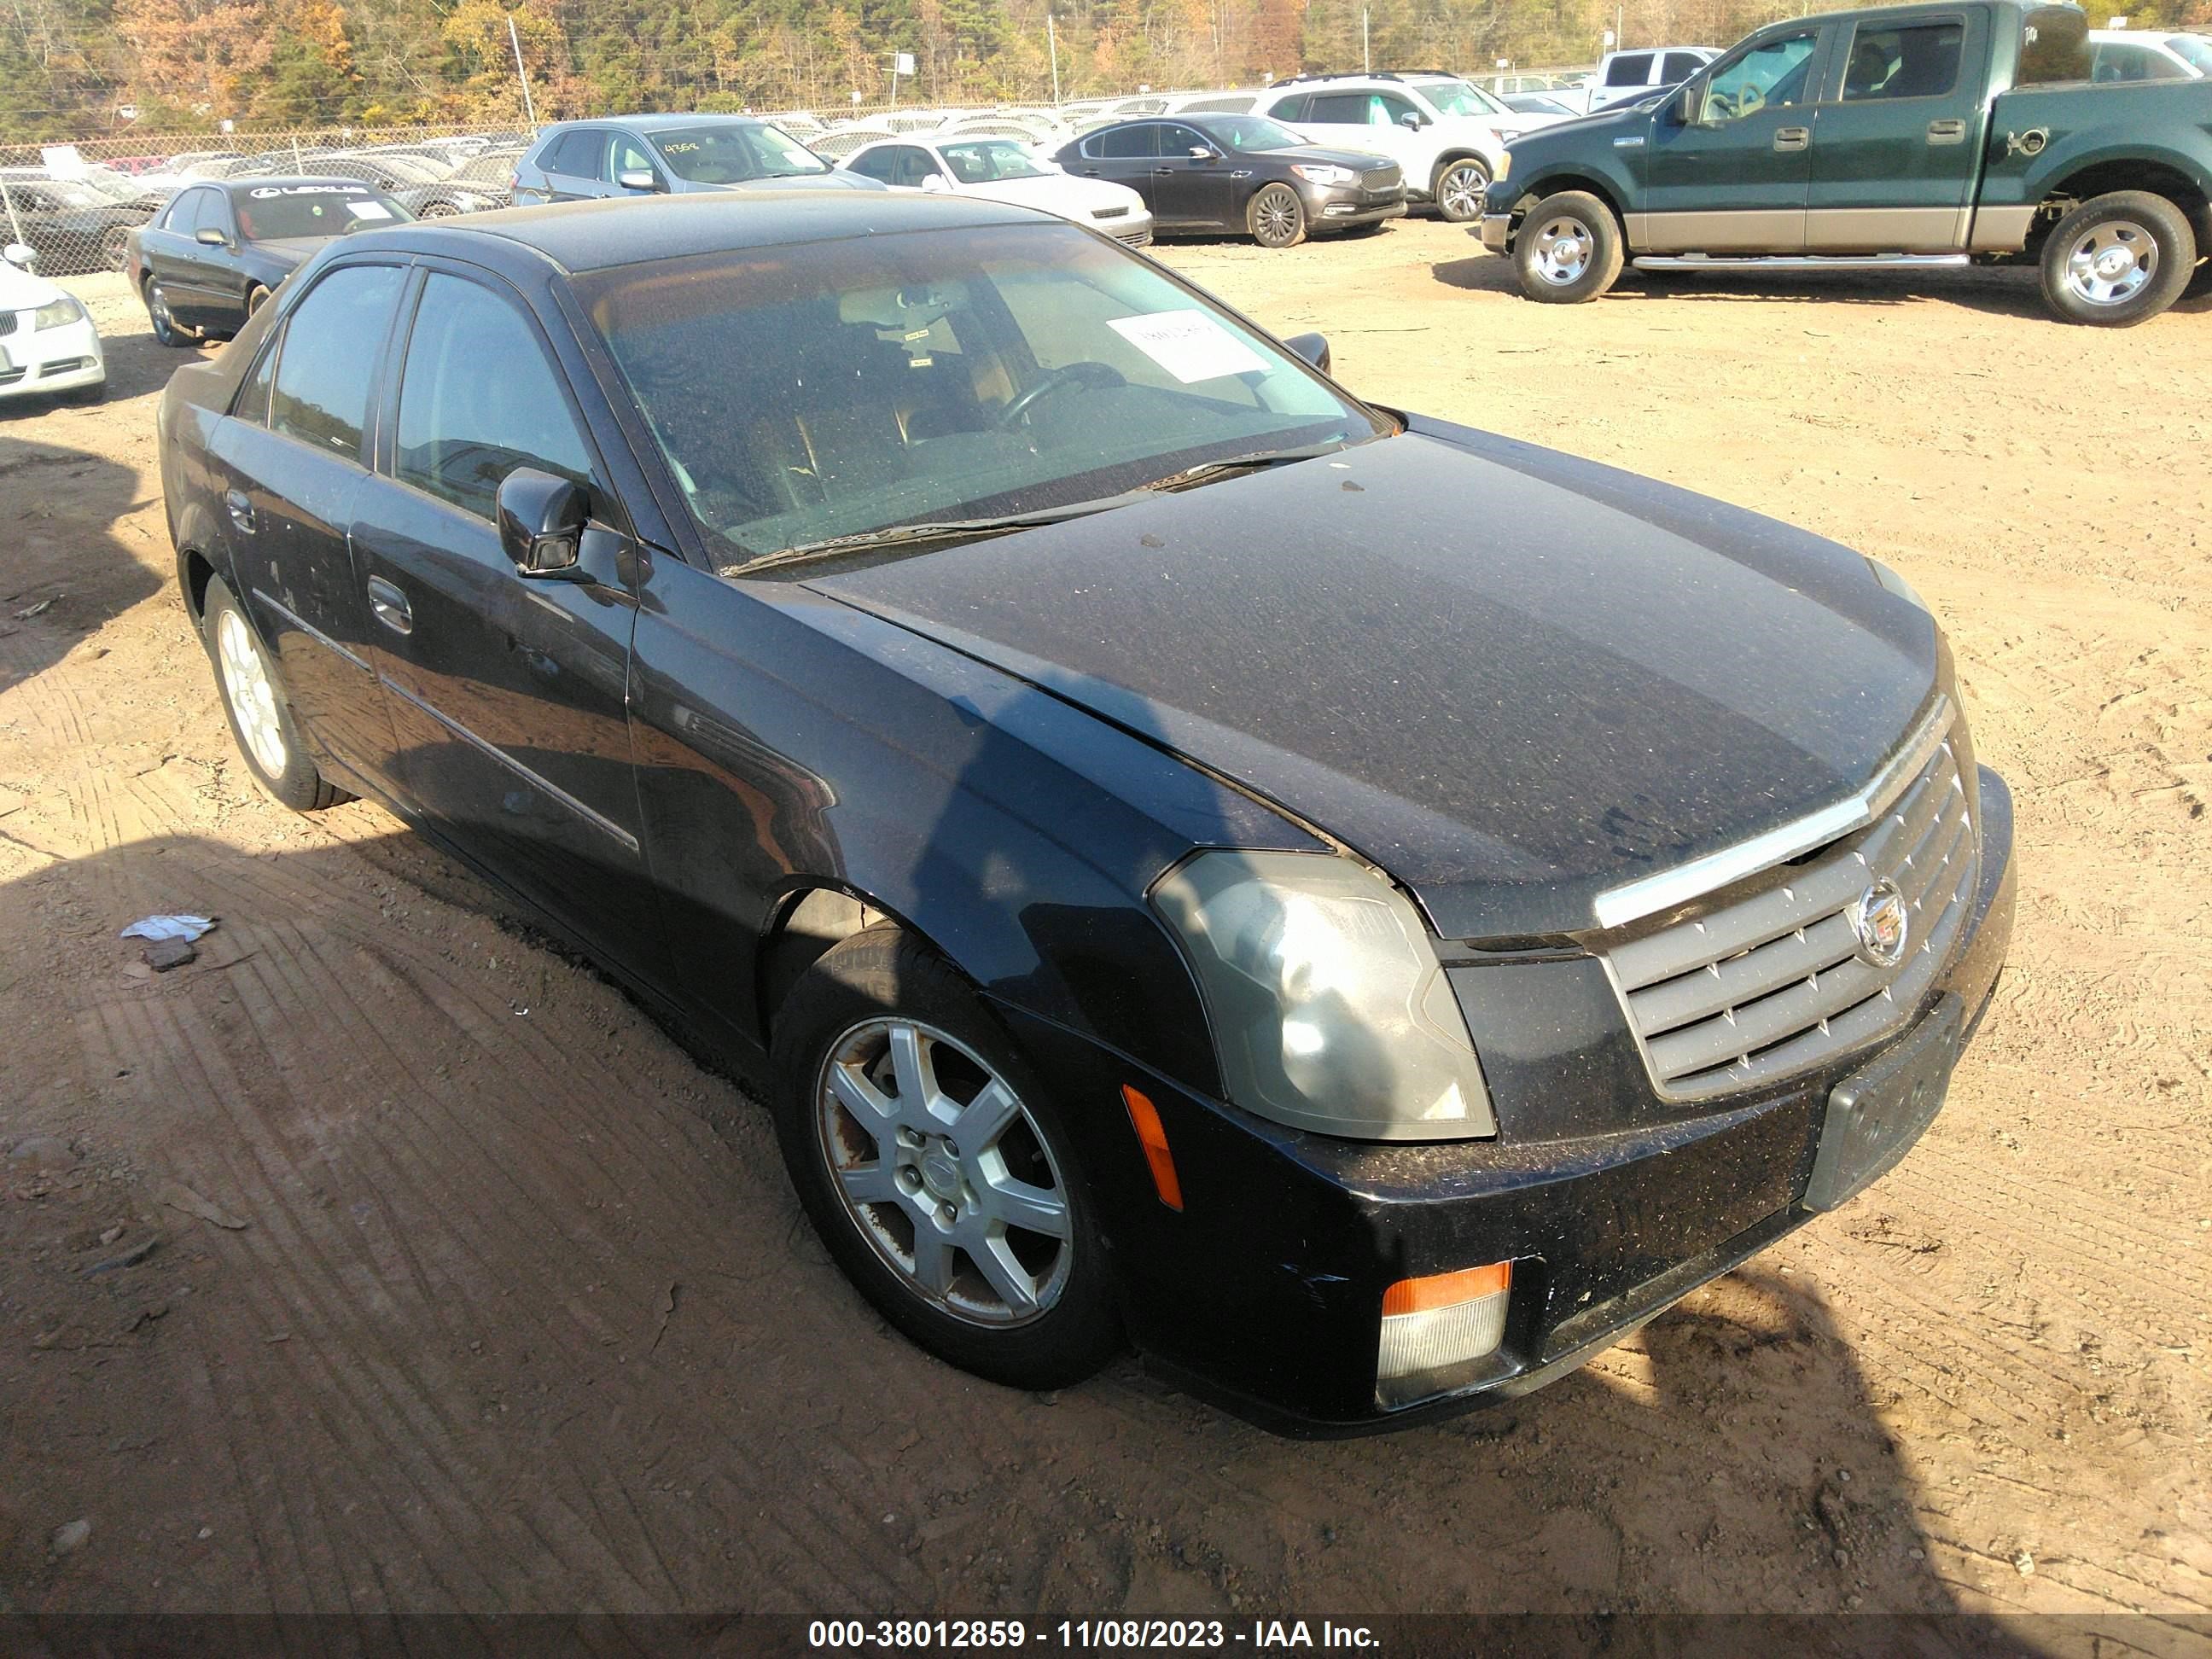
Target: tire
column 115, row 248
column 248, row 681
column 439, row 211
column 1276, row 217
column 2118, row 259
column 840, row 1022
column 1458, row 189
column 166, row 330
column 1568, row 249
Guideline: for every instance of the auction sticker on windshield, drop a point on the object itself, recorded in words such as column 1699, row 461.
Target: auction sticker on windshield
column 1190, row 344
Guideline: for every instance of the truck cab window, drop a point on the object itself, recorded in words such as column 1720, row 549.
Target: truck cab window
column 1771, row 73
column 1917, row 60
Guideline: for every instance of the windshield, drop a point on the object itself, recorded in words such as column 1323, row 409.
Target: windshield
column 2193, row 49
column 982, row 161
column 836, row 388
column 1458, row 98
column 1252, row 132
column 272, row 212
column 734, row 154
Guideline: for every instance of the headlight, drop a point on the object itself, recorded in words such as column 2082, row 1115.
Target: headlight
column 1316, row 172
column 60, row 314
column 1329, row 1010
column 1505, row 168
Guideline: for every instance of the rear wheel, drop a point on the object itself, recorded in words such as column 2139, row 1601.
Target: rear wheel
column 166, row 330
column 1568, row 249
column 260, row 714
column 2118, row 259
column 1459, row 189
column 936, row 1167
column 1277, row 218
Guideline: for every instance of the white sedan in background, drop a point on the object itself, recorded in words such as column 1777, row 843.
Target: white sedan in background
column 1003, row 170
column 47, row 342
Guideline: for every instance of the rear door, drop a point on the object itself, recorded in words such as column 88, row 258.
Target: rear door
column 294, row 459
column 575, row 164
column 1729, row 160
column 1126, row 154
column 1897, row 138
column 507, row 693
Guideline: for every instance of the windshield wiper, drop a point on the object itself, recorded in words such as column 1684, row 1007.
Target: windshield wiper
column 935, row 530
column 1208, row 472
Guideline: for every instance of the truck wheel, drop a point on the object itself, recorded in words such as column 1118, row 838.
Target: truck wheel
column 2118, row 259
column 1568, row 249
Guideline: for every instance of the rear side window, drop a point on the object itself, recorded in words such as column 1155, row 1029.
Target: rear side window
column 1341, row 109
column 576, row 154
column 1917, row 60
column 2121, row 63
column 1680, row 66
column 1292, row 108
column 461, row 430
column 323, row 377
column 1631, row 69
column 876, row 164
column 1129, row 143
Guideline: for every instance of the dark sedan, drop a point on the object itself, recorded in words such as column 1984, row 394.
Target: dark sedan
column 72, row 226
column 1186, row 867
column 1244, row 174
column 210, row 259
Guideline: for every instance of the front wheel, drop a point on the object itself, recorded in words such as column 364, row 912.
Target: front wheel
column 2118, row 259
column 1568, row 249
column 1277, row 218
column 1459, row 190
column 260, row 714
column 937, row 1168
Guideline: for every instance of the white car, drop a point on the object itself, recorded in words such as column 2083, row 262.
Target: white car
column 1422, row 122
column 2123, row 57
column 1004, row 170
column 1625, row 77
column 47, row 342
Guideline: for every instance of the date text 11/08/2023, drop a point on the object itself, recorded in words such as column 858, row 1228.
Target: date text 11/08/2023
column 1254, row 1634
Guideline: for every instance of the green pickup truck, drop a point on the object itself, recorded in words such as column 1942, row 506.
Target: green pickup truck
column 1908, row 135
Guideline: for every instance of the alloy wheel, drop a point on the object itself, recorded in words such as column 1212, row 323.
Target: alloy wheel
column 2111, row 263
column 252, row 695
column 944, row 1172
column 1565, row 248
column 1460, row 191
column 1275, row 217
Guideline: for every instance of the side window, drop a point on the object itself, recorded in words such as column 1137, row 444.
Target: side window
column 879, row 163
column 1130, row 142
column 1632, row 69
column 1678, row 66
column 1386, row 109
column 1771, row 72
column 1179, row 141
column 321, row 391
column 462, row 431
column 1337, row 109
column 576, row 155
column 1920, row 60
column 915, row 165
column 215, row 213
column 252, row 404
column 183, row 217
column 626, row 154
column 1292, row 108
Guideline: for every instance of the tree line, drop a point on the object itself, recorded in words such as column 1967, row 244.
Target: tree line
column 82, row 68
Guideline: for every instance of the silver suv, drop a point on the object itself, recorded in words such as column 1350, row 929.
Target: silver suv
column 670, row 155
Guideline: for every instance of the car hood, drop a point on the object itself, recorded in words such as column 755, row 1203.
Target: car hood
column 831, row 180
column 286, row 253
column 23, row 290
column 1057, row 192
column 1361, row 161
column 1511, row 679
column 1534, row 148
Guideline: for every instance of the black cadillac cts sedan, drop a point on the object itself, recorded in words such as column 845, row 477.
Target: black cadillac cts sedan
column 1364, row 910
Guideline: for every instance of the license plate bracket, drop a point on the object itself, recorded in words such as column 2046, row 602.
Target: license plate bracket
column 1874, row 1115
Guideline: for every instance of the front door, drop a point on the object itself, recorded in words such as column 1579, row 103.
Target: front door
column 1898, row 137
column 507, row 694
column 1730, row 157
column 1190, row 180
column 294, row 464
column 178, row 263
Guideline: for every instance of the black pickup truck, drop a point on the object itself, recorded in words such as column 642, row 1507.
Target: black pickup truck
column 1910, row 135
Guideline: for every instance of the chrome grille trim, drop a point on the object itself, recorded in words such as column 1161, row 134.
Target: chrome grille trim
column 1753, row 988
column 1633, row 901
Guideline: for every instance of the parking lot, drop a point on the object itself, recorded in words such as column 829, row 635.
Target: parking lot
column 523, row 1316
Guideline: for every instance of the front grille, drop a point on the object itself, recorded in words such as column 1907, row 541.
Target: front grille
column 63, row 366
column 9, row 322
column 1758, row 984
column 1379, row 179
column 1109, row 213
column 1141, row 237
column 10, row 376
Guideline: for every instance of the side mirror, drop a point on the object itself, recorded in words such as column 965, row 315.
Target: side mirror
column 540, row 519
column 1685, row 110
column 1412, row 119
column 638, row 179
column 1204, row 153
column 20, row 254
column 1313, row 348
column 208, row 236
column 934, row 183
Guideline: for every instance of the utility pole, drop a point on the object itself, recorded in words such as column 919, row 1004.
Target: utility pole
column 1052, row 51
column 1366, row 65
column 529, row 108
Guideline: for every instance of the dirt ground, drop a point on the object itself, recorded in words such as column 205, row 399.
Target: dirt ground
column 523, row 1316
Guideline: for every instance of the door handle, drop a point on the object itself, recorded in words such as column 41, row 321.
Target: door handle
column 1946, row 132
column 240, row 509
column 390, row 605
column 1162, row 173
column 1787, row 138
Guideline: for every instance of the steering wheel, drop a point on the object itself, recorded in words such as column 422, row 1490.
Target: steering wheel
column 1104, row 376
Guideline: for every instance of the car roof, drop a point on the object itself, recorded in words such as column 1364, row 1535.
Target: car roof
column 657, row 122
column 580, row 236
column 262, row 180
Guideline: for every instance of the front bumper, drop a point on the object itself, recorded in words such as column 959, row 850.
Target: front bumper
column 1497, row 231
column 50, row 359
column 1348, row 207
column 1264, row 1292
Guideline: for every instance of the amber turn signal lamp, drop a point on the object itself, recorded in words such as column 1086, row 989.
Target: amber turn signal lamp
column 1441, row 1332
column 1439, row 1291
column 1145, row 1118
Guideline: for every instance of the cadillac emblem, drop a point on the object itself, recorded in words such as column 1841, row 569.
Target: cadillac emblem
column 1880, row 919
